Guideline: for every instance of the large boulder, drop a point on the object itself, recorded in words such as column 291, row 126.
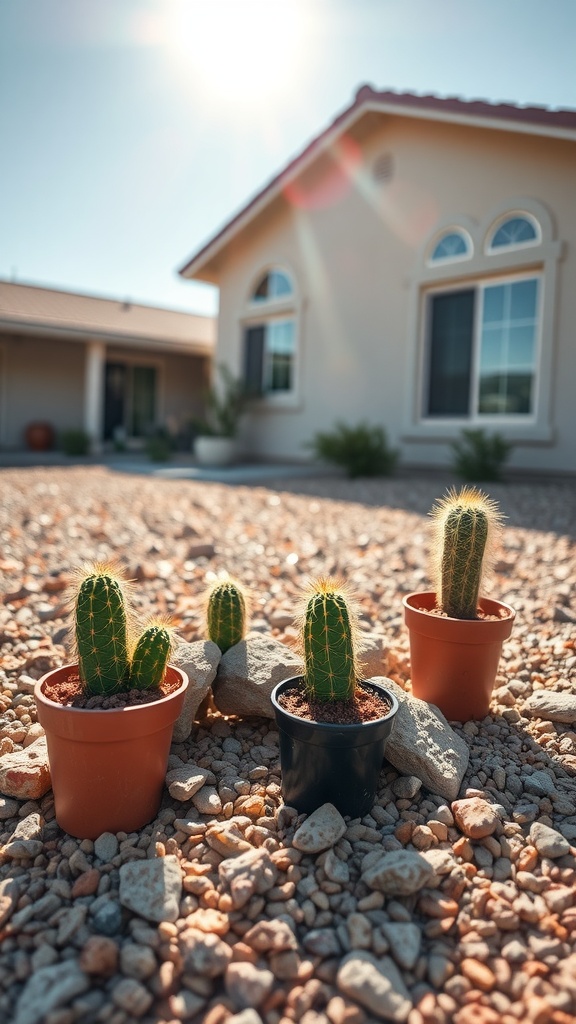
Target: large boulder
column 422, row 743
column 199, row 661
column 249, row 671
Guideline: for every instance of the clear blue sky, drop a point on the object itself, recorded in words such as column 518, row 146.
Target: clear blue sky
column 130, row 130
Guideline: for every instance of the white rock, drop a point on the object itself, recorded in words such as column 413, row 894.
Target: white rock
column 207, row 800
column 252, row 872
column 152, row 888
column 184, row 782
column 199, row 661
column 48, row 989
column 404, row 940
column 397, row 872
column 321, row 830
column 551, row 705
column 336, row 870
column 248, row 673
column 106, row 847
column 548, row 841
column 422, row 743
column 376, row 984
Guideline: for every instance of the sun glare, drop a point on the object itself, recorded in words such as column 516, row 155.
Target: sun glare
column 244, row 51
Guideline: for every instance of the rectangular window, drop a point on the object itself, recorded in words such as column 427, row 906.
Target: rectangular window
column 269, row 357
column 482, row 346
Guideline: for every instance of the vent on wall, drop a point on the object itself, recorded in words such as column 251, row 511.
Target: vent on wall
column 383, row 169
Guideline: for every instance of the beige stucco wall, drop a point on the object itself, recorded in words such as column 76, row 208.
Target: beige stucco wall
column 41, row 380
column 44, row 379
column 357, row 261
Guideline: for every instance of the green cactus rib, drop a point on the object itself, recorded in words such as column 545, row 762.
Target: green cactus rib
column 465, row 535
column 226, row 615
column 150, row 658
column 330, row 672
column 101, row 634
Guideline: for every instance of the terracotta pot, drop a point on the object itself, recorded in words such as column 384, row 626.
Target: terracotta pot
column 454, row 661
column 39, row 437
column 108, row 767
column 326, row 763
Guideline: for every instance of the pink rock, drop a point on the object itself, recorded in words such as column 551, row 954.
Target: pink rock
column 25, row 774
column 475, row 817
column 99, row 956
column 86, row 884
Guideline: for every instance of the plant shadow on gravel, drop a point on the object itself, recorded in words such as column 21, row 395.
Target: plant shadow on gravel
column 543, row 505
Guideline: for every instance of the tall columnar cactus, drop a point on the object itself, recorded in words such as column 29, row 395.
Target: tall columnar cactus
column 101, row 631
column 226, row 614
column 150, row 657
column 329, row 643
column 466, row 523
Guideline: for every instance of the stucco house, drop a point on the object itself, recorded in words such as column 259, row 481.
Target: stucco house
column 414, row 266
column 107, row 367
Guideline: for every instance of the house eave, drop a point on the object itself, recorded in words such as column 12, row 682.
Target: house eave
column 62, row 332
column 202, row 265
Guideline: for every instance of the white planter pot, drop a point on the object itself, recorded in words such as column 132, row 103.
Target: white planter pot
column 215, row 451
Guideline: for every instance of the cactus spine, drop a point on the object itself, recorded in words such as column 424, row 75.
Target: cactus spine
column 226, row 614
column 466, row 523
column 150, row 658
column 101, row 636
column 329, row 643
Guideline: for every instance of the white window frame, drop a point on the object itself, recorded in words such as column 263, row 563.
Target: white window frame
column 259, row 312
column 453, row 229
column 474, row 417
column 541, row 260
column 513, row 246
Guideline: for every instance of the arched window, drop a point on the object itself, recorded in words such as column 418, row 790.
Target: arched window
column 452, row 245
column 274, row 285
column 270, row 336
column 515, row 231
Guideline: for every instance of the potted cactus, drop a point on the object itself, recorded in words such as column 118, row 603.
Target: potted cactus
column 456, row 636
column 333, row 726
column 109, row 715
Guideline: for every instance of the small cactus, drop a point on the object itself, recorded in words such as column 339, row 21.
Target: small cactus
column 329, row 643
column 466, row 523
column 150, row 657
column 226, row 614
column 101, row 631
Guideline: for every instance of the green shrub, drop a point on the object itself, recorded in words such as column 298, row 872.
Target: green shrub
column 480, row 456
column 362, row 450
column 75, row 442
column 159, row 446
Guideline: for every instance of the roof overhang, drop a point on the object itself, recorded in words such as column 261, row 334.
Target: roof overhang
column 64, row 333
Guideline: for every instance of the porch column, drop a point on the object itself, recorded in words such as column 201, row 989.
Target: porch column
column 94, row 394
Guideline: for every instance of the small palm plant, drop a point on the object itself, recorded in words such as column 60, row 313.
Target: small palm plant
column 467, row 523
column 329, row 642
column 112, row 657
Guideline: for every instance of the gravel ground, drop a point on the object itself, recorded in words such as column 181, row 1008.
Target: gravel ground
column 489, row 938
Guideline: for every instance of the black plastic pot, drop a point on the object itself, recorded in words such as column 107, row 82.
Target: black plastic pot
column 326, row 763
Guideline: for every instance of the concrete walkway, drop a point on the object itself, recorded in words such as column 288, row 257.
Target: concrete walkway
column 180, row 467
